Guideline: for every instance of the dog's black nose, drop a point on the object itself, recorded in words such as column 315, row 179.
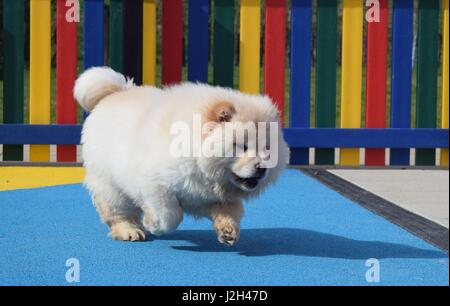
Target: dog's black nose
column 260, row 172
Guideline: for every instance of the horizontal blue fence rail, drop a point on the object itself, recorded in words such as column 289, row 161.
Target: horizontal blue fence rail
column 40, row 134
column 366, row 138
column 296, row 137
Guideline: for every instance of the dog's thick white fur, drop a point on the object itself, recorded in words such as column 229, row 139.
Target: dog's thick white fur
column 135, row 181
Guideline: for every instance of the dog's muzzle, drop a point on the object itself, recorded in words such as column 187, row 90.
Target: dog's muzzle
column 249, row 183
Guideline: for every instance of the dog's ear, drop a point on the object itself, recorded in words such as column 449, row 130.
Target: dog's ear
column 221, row 111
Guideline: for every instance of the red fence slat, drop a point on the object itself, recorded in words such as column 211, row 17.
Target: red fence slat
column 172, row 41
column 377, row 46
column 275, row 46
column 66, row 73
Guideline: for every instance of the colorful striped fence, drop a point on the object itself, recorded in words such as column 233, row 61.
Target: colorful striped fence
column 303, row 78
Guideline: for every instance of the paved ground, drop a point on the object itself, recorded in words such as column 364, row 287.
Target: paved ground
column 299, row 232
column 424, row 192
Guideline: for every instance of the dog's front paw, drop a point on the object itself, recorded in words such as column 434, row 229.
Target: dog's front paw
column 227, row 234
column 164, row 222
column 127, row 232
column 153, row 226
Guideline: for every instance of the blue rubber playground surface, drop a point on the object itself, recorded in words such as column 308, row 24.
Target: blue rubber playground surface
column 299, row 233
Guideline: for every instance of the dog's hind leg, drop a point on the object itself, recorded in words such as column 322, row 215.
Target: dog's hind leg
column 125, row 223
column 117, row 211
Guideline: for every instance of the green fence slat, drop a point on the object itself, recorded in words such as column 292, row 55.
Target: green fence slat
column 427, row 74
column 223, row 52
column 116, row 35
column 13, row 73
column 326, row 73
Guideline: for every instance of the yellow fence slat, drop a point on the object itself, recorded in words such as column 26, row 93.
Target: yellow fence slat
column 40, row 71
column 250, row 45
column 149, row 42
column 445, row 76
column 352, row 48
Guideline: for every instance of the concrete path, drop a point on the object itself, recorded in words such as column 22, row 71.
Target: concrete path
column 424, row 192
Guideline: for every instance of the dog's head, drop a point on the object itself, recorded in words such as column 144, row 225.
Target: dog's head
column 244, row 134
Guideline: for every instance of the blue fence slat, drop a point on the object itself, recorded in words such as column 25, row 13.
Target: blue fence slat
column 198, row 37
column 300, row 78
column 93, row 33
column 402, row 44
column 296, row 137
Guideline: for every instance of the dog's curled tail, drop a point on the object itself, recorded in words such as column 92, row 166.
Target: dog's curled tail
column 97, row 83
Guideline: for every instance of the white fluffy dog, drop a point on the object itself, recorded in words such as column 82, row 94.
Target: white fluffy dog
column 137, row 182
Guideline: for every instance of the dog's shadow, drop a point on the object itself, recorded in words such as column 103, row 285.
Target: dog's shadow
column 297, row 242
